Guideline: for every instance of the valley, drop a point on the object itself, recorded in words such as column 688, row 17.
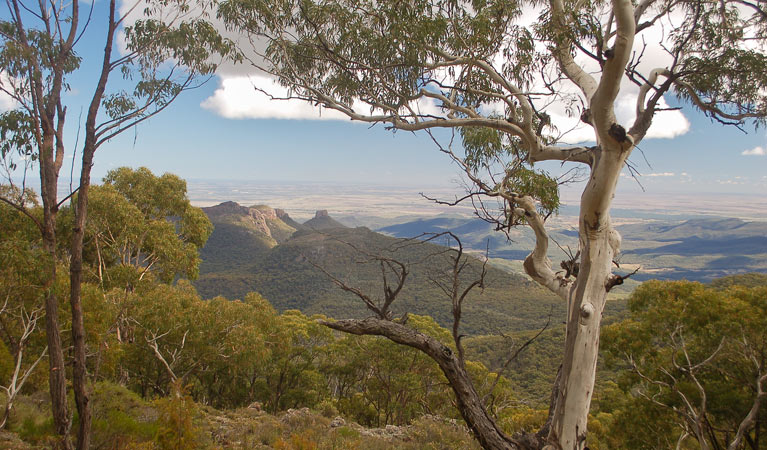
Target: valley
column 263, row 249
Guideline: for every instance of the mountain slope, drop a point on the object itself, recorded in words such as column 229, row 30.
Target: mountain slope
column 288, row 274
column 240, row 233
column 287, row 220
column 322, row 221
column 698, row 249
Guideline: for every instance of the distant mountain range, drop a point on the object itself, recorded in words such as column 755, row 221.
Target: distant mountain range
column 262, row 249
column 697, row 249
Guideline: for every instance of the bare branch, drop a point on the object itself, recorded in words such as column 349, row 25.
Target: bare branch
column 470, row 405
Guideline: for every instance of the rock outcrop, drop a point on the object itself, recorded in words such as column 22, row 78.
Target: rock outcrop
column 258, row 218
column 323, row 221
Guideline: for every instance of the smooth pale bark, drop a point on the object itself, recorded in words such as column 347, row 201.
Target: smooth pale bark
column 599, row 243
column 19, row 377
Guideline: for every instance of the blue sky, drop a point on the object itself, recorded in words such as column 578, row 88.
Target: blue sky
column 198, row 143
column 204, row 142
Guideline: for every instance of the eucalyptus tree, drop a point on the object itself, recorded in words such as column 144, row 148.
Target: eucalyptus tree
column 506, row 75
column 694, row 358
column 168, row 47
column 141, row 223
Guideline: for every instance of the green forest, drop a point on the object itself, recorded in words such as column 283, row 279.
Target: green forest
column 171, row 370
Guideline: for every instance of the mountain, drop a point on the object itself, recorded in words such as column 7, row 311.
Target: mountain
column 701, row 249
column 481, row 236
column 285, row 218
column 322, row 221
column 288, row 274
column 241, row 233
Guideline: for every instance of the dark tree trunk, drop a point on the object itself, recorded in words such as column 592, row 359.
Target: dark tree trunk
column 79, row 369
column 57, row 370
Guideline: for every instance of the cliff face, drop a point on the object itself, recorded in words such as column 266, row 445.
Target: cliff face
column 260, row 219
column 243, row 234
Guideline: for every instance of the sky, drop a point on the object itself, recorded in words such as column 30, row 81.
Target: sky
column 225, row 130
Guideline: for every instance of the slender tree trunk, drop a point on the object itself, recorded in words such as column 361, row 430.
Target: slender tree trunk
column 57, row 370
column 80, row 372
column 79, row 369
column 599, row 243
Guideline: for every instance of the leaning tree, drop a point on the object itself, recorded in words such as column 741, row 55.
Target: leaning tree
column 166, row 49
column 505, row 76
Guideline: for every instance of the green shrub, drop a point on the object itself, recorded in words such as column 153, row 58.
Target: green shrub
column 327, row 408
column 120, row 417
column 176, row 426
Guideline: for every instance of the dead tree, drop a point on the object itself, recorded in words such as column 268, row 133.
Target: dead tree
column 456, row 286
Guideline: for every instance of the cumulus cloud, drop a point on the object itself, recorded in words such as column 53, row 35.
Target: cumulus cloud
column 244, row 97
column 666, row 124
column 238, row 98
column 756, row 151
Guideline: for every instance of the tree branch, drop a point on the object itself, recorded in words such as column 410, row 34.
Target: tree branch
column 537, row 263
column 470, row 404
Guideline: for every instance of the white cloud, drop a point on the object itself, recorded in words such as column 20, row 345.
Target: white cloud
column 6, row 102
column 660, row 174
column 241, row 97
column 730, row 182
column 237, row 98
column 756, row 151
column 665, row 124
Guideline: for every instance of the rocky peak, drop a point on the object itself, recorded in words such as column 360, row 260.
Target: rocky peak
column 225, row 208
column 323, row 221
column 263, row 210
column 233, row 212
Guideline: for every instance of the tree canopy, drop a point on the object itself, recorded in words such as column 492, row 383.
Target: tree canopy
column 146, row 222
column 694, row 356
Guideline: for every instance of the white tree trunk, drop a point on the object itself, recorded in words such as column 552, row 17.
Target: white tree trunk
column 599, row 243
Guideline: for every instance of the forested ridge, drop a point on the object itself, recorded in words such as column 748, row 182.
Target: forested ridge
column 242, row 256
